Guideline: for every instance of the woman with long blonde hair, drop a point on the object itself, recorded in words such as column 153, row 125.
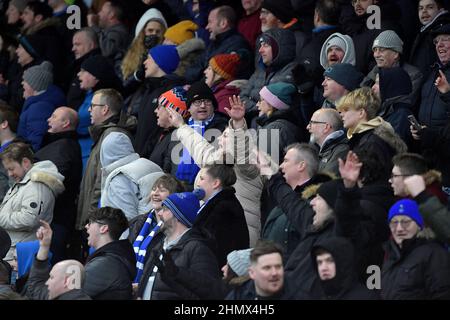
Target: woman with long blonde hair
column 149, row 33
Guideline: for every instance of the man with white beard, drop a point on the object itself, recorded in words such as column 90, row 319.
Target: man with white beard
column 326, row 130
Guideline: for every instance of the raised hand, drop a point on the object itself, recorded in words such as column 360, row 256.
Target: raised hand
column 441, row 83
column 350, row 169
column 414, row 184
column 44, row 235
column 175, row 119
column 236, row 111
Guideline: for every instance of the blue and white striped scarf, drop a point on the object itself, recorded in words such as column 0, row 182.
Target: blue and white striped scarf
column 142, row 241
column 187, row 169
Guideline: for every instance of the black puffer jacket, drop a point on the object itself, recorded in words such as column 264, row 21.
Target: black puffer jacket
column 110, row 271
column 395, row 88
column 420, row 270
column 344, row 286
column 191, row 254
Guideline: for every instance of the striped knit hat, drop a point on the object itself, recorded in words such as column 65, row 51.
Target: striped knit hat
column 225, row 65
column 175, row 99
column 184, row 206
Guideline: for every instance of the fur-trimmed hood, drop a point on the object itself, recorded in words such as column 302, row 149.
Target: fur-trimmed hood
column 47, row 173
column 311, row 190
column 384, row 130
column 191, row 45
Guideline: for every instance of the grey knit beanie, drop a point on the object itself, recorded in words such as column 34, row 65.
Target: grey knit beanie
column 239, row 261
column 390, row 40
column 39, row 77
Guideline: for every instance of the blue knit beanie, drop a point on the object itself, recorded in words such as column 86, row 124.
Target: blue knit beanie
column 345, row 74
column 406, row 207
column 166, row 57
column 185, row 205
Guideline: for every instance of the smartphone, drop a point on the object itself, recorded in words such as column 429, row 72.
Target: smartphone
column 414, row 122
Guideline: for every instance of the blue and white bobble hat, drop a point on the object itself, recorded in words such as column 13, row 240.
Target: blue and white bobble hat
column 185, row 205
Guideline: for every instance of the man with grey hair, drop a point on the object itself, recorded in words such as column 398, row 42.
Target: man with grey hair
column 84, row 45
column 326, row 131
column 387, row 50
column 299, row 170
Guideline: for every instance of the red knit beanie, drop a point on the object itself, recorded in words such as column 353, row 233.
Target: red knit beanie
column 225, row 64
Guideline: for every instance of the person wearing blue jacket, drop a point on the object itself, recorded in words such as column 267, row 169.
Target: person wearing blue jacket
column 41, row 99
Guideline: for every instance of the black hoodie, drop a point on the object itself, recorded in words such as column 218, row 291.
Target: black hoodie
column 395, row 93
column 344, row 285
column 110, row 271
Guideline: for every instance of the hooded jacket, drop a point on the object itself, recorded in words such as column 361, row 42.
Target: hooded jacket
column 414, row 73
column 419, row 270
column 395, row 89
column 90, row 188
column 121, row 172
column 28, row 201
column 280, row 70
column 349, row 50
column 110, row 271
column 35, row 112
column 189, row 51
column 344, row 285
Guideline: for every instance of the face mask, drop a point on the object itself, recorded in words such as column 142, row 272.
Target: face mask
column 151, row 41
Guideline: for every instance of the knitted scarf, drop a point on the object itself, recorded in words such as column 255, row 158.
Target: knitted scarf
column 187, row 169
column 142, row 241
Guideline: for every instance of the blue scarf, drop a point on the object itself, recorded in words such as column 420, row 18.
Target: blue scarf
column 187, row 169
column 142, row 241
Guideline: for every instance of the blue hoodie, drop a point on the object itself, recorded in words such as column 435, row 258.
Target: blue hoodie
column 35, row 112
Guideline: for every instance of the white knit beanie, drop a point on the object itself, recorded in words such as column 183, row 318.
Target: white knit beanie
column 150, row 14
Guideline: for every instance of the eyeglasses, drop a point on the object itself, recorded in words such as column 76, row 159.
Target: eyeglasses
column 97, row 105
column 443, row 39
column 404, row 223
column 206, row 102
column 311, row 122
